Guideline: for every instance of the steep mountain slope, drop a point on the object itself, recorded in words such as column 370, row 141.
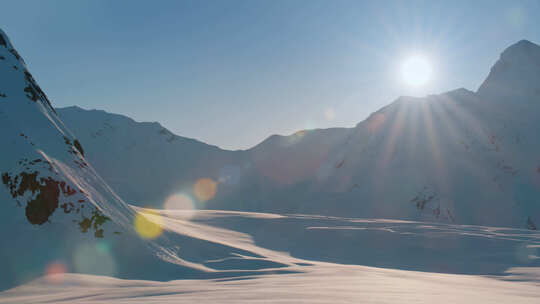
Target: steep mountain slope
column 514, row 77
column 462, row 156
column 55, row 207
column 59, row 215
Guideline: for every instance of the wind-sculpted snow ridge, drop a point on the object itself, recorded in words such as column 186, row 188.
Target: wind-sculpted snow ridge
column 388, row 243
column 438, row 262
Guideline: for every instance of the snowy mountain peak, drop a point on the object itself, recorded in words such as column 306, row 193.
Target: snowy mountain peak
column 522, row 50
column 16, row 67
column 43, row 167
column 515, row 76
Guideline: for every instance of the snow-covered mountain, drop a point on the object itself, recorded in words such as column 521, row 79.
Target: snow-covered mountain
column 462, row 157
column 144, row 162
column 59, row 215
column 42, row 166
column 54, row 203
column 57, row 212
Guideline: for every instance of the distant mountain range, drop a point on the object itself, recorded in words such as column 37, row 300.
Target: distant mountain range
column 460, row 157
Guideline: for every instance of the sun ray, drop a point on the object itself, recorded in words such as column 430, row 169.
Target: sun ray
column 434, row 145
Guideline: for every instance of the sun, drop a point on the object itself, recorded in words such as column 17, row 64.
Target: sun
column 416, row 71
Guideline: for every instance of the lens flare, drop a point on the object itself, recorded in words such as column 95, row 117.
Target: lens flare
column 54, row 272
column 516, row 17
column 94, row 258
column 148, row 224
column 205, row 189
column 375, row 122
column 295, row 138
column 229, row 175
column 179, row 201
column 329, row 114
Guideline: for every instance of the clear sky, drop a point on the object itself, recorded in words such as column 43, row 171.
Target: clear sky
column 231, row 73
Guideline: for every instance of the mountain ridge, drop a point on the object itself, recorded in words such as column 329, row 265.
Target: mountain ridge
column 514, row 74
column 416, row 157
column 520, row 49
column 131, row 120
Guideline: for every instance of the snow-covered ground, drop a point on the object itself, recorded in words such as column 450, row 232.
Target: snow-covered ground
column 330, row 283
column 286, row 240
column 301, row 259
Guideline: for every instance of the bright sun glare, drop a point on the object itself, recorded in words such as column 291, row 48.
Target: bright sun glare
column 416, row 71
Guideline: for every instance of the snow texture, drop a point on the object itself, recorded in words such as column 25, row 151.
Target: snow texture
column 280, row 278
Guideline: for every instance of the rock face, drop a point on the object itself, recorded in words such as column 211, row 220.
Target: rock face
column 463, row 157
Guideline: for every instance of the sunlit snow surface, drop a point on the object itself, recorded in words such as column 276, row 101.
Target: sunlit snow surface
column 313, row 259
column 329, row 283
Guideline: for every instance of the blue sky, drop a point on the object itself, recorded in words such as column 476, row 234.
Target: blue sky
column 231, row 73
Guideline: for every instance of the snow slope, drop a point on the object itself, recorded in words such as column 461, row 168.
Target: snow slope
column 322, row 284
column 47, row 181
column 461, row 157
column 298, row 268
column 286, row 241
